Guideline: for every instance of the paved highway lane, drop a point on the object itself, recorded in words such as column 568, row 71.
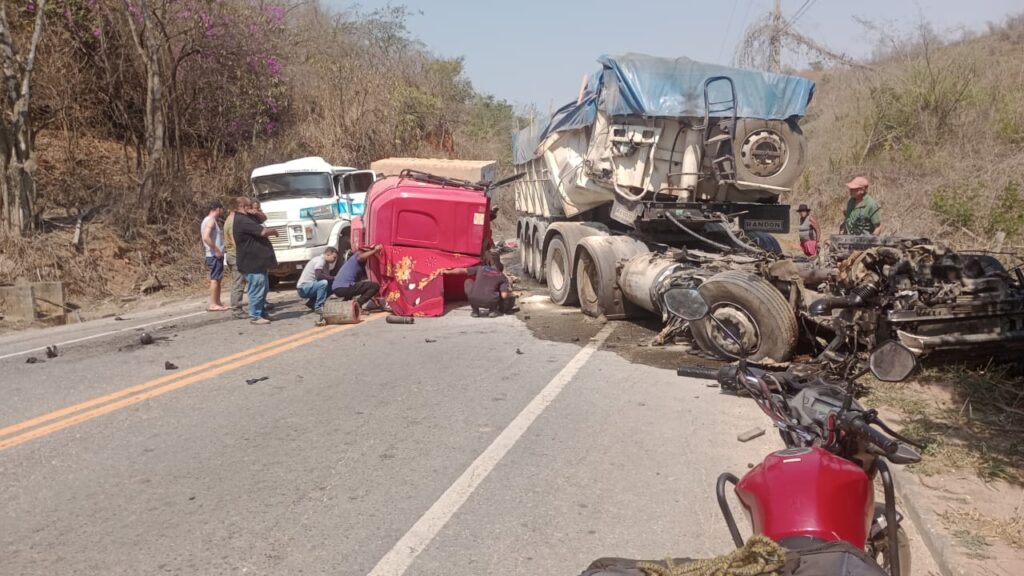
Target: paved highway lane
column 432, row 448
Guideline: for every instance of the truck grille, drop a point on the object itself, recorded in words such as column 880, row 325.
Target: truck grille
column 277, row 215
column 281, row 240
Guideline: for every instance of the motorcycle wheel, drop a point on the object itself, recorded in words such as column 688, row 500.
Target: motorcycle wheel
column 878, row 549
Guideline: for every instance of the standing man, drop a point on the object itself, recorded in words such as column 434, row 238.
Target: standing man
column 238, row 205
column 255, row 258
column 863, row 215
column 315, row 282
column 213, row 245
column 347, row 283
column 810, row 232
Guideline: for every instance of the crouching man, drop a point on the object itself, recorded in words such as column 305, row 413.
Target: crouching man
column 487, row 288
column 315, row 282
column 349, row 283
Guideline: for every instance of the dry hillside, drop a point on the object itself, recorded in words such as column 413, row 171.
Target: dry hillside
column 938, row 127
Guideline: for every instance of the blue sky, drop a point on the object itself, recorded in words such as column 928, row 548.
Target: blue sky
column 535, row 51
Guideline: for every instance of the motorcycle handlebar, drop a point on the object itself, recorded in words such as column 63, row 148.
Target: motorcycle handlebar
column 855, row 424
column 697, row 371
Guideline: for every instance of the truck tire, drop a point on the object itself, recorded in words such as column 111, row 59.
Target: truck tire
column 597, row 282
column 753, row 310
column 524, row 251
column 769, row 152
column 538, row 258
column 561, row 283
column 766, row 242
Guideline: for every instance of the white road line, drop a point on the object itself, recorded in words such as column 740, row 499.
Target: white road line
column 401, row 556
column 83, row 339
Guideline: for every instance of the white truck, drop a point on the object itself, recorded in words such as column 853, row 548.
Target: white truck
column 311, row 205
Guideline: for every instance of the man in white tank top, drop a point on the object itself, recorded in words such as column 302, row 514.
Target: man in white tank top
column 213, row 245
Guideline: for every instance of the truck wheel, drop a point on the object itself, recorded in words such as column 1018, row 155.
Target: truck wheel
column 561, row 284
column 597, row 258
column 769, row 152
column 753, row 311
column 524, row 253
column 538, row 259
column 344, row 247
column 766, row 242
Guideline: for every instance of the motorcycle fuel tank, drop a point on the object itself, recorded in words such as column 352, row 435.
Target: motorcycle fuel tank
column 808, row 492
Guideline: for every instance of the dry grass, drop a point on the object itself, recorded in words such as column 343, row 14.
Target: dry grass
column 938, row 128
column 1009, row 529
column 968, row 417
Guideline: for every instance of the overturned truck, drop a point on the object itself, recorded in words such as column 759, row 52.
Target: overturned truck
column 667, row 174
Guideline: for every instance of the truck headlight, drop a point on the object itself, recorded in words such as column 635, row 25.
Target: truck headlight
column 326, row 211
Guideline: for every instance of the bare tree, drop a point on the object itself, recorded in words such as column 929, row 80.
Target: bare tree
column 17, row 186
column 142, row 22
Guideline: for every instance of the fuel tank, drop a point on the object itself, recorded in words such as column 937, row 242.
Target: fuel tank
column 808, row 492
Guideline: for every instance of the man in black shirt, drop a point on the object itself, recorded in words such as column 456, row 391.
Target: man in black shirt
column 255, row 256
column 488, row 288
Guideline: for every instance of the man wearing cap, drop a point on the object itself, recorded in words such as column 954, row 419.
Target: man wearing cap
column 213, row 245
column 863, row 215
column 809, row 231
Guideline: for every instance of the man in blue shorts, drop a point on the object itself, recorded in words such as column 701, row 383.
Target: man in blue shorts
column 213, row 245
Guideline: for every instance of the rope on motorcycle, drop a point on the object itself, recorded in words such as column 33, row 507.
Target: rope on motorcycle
column 760, row 556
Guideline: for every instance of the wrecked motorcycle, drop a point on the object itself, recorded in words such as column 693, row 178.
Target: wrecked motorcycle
column 819, row 489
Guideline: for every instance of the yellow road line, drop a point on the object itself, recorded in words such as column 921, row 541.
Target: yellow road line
column 151, row 389
column 139, row 387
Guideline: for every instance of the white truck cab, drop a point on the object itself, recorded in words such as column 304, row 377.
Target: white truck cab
column 311, row 204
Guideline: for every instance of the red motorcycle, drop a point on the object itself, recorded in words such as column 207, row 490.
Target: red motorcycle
column 819, row 489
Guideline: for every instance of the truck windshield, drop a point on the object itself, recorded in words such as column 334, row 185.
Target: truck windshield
column 299, row 185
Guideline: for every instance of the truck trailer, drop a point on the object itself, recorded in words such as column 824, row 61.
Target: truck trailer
column 667, row 174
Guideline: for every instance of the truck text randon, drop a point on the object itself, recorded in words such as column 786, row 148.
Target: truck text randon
column 666, row 174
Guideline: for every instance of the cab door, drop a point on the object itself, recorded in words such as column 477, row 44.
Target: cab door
column 353, row 188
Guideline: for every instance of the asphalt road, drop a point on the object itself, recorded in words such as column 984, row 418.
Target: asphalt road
column 453, row 446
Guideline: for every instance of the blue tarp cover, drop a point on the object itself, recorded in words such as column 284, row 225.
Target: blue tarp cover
column 640, row 85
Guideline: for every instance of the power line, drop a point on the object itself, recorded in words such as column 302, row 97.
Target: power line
column 728, row 27
column 799, row 13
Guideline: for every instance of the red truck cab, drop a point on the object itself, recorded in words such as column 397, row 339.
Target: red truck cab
column 426, row 223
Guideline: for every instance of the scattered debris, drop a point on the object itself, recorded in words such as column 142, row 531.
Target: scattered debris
column 749, row 435
column 518, row 351
column 526, row 316
column 252, row 381
column 52, row 352
column 395, row 319
column 169, row 366
column 576, row 339
column 33, row 360
column 146, row 338
column 119, row 319
column 151, row 284
column 429, row 340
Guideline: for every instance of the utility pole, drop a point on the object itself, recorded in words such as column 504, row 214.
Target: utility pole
column 775, row 46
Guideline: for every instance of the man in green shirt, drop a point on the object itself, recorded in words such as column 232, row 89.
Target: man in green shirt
column 863, row 215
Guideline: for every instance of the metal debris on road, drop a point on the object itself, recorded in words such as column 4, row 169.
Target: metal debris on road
column 252, row 381
column 750, row 434
column 518, row 351
column 146, row 338
column 52, row 352
column 169, row 366
column 429, row 340
column 395, row 319
column 33, row 360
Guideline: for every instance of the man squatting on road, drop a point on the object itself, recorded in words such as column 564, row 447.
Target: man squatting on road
column 347, row 283
column 315, row 282
column 488, row 289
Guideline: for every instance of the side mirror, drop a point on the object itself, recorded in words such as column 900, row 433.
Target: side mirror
column 892, row 362
column 687, row 303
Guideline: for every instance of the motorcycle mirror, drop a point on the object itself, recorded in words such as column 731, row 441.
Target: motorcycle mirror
column 892, row 362
column 687, row 303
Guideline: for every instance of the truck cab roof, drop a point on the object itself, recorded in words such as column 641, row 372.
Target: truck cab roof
column 308, row 164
